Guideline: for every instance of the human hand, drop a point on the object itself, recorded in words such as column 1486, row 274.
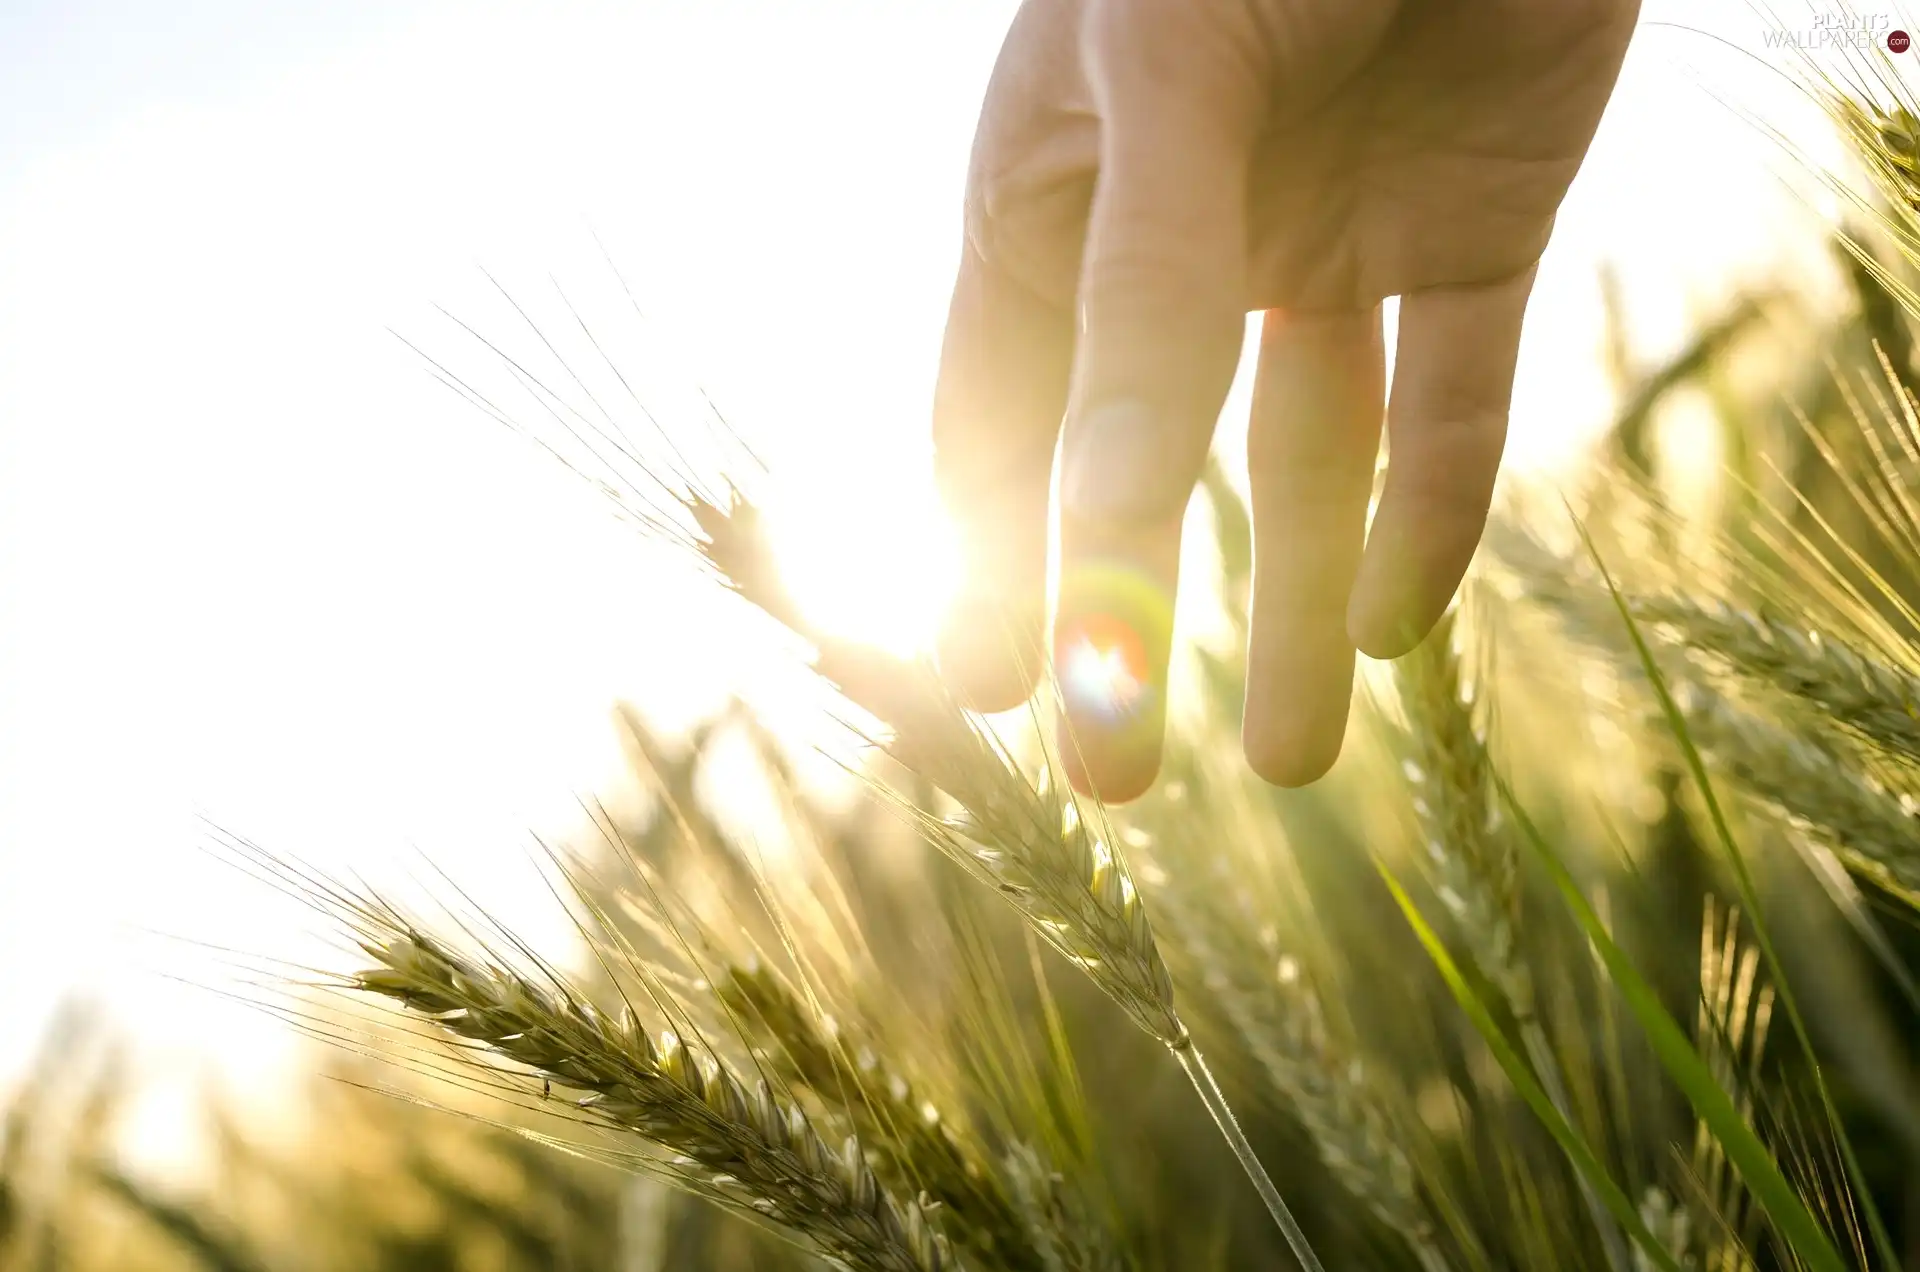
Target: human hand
column 1146, row 173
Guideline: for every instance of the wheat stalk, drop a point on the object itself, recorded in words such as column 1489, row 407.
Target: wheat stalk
column 746, row 1149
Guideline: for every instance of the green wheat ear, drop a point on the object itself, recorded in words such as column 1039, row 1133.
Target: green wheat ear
column 741, row 1145
column 1474, row 858
column 914, row 1148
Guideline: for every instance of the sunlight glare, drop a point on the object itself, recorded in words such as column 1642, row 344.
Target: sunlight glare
column 878, row 568
column 1096, row 674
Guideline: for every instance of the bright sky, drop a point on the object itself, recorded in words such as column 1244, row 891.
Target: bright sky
column 255, row 564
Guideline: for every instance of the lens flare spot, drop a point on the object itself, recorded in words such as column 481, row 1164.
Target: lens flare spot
column 1103, row 668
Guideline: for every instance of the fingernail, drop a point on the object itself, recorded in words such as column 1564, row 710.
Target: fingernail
column 1115, row 466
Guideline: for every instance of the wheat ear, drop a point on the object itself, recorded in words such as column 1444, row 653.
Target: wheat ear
column 1814, row 786
column 1055, row 1216
column 746, row 1149
column 1475, row 864
column 1734, row 1018
column 914, row 1148
column 1671, row 1223
column 1279, row 1017
column 1864, row 694
column 1875, row 699
column 1028, row 842
column 1448, row 771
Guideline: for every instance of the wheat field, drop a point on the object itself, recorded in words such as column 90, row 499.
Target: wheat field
column 1598, row 951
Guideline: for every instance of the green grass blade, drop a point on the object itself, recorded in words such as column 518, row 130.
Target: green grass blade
column 1571, row 1142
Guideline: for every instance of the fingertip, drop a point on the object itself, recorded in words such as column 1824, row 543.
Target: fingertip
column 1313, row 437
column 1295, row 743
column 1295, row 722
column 990, row 689
column 1109, row 774
column 1385, row 636
column 1292, row 761
column 1112, row 641
column 988, row 658
column 1405, row 584
column 1112, row 638
column 1448, row 415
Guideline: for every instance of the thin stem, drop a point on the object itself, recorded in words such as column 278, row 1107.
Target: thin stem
column 1210, row 1095
column 1547, row 1066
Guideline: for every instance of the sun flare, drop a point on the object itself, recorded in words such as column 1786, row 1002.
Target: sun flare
column 880, row 569
column 1103, row 668
column 1099, row 674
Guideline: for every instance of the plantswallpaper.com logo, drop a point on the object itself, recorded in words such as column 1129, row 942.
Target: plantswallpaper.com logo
column 1838, row 31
